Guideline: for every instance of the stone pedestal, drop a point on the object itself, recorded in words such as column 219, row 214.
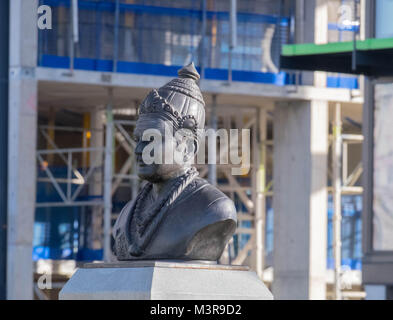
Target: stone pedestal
column 164, row 280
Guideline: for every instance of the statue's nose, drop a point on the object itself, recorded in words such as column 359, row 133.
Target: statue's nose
column 139, row 147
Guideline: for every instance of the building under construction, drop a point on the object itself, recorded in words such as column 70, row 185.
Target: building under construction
column 77, row 71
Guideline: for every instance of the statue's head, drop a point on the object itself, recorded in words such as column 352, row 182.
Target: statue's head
column 167, row 129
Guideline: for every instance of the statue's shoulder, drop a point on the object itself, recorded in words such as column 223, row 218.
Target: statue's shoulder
column 215, row 222
column 209, row 201
column 122, row 218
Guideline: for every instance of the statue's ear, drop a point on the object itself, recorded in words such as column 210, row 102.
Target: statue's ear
column 190, row 148
column 186, row 144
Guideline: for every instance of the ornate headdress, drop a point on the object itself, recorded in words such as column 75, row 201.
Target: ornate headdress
column 179, row 101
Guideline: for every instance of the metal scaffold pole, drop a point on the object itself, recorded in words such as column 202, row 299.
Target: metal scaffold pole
column 116, row 36
column 260, row 205
column 337, row 144
column 212, row 147
column 108, row 177
column 74, row 32
column 233, row 36
column 203, row 53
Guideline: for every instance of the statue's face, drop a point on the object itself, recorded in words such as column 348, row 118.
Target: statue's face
column 147, row 146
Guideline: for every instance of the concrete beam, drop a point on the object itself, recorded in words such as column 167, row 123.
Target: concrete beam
column 239, row 90
column 21, row 148
column 300, row 199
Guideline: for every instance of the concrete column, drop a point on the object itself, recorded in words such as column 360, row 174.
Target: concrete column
column 312, row 13
column 304, row 33
column 95, row 188
column 21, row 148
column 300, row 199
column 321, row 22
column 320, row 35
column 108, row 171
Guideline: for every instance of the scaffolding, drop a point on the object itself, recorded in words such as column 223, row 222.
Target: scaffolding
column 343, row 182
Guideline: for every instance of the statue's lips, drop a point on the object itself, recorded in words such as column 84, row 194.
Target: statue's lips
column 141, row 164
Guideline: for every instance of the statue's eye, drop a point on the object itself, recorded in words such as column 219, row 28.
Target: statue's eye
column 148, row 140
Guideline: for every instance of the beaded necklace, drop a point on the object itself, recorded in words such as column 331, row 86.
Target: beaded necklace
column 144, row 224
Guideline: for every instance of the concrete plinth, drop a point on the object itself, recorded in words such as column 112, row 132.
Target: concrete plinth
column 163, row 280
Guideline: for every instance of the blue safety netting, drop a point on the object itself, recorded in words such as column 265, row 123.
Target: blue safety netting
column 157, row 37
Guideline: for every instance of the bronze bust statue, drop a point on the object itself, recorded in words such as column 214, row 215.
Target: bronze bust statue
column 176, row 215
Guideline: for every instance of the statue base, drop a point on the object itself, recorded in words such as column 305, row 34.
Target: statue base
column 164, row 280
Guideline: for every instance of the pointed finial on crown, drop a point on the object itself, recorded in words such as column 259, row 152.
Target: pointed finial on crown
column 189, row 72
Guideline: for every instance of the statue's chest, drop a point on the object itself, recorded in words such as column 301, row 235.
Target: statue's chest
column 169, row 238
column 140, row 217
column 148, row 232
